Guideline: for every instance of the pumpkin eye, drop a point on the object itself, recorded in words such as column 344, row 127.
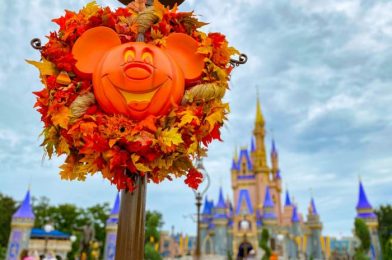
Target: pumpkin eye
column 129, row 55
column 147, row 57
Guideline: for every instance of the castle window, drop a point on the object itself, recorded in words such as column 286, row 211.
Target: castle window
column 243, row 168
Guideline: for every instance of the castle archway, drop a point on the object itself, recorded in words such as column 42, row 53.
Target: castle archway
column 244, row 250
column 208, row 246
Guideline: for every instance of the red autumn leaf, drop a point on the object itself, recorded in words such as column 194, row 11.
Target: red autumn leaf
column 193, row 178
column 214, row 134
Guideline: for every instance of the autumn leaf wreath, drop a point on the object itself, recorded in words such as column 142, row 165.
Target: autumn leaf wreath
column 115, row 144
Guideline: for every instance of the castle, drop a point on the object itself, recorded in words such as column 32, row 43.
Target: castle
column 236, row 228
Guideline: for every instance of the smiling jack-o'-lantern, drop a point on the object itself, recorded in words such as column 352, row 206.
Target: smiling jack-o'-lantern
column 137, row 79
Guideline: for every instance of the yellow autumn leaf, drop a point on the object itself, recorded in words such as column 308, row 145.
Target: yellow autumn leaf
column 193, row 147
column 187, row 118
column 45, row 67
column 171, row 137
column 214, row 118
column 139, row 166
column 90, row 9
column 61, row 117
column 70, row 170
column 62, row 146
column 159, row 9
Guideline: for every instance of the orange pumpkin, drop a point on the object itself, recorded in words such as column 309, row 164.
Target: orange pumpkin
column 137, row 79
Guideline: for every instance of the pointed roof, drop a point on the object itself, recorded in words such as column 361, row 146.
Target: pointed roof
column 363, row 202
column 113, row 217
column 205, row 206
column 313, row 208
column 234, row 165
column 252, row 145
column 268, row 205
column 273, row 148
column 268, row 202
column 288, row 200
column 116, row 206
column 278, row 176
column 244, row 153
column 25, row 210
column 259, row 115
column 221, row 201
column 244, row 197
column 295, row 217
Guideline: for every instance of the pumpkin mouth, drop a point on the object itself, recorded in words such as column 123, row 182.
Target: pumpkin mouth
column 138, row 97
column 137, row 100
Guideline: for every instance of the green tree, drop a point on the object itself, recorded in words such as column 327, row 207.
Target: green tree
column 363, row 234
column 384, row 215
column 153, row 225
column 388, row 249
column 7, row 208
column 264, row 244
column 65, row 217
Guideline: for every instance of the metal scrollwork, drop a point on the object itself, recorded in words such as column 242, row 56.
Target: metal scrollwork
column 36, row 44
column 242, row 59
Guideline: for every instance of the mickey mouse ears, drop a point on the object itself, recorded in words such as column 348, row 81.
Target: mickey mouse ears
column 169, row 3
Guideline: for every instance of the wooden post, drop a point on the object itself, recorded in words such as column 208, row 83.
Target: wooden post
column 198, row 205
column 130, row 232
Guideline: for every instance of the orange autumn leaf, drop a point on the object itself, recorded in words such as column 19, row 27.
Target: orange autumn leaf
column 88, row 128
column 61, row 117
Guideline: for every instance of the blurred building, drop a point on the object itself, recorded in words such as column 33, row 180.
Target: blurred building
column 176, row 245
column 235, row 227
column 111, row 231
column 24, row 237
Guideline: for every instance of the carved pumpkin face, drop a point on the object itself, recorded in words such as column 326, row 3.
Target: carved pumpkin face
column 137, row 79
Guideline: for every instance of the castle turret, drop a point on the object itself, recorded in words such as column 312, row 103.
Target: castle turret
column 205, row 224
column 274, row 158
column 21, row 225
column 276, row 182
column 111, row 230
column 220, row 221
column 269, row 216
column 366, row 213
column 259, row 158
column 287, row 210
column 314, row 236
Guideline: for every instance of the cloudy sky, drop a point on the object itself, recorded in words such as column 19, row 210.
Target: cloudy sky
column 324, row 74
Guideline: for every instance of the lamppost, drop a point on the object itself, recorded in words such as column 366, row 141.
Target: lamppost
column 47, row 228
column 199, row 197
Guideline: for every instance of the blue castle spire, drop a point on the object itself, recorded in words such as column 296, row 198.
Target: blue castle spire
column 363, row 202
column 206, row 207
column 287, row 201
column 268, row 206
column 364, row 208
column 295, row 217
column 113, row 217
column 220, row 208
column 313, row 208
column 252, row 145
column 268, row 202
column 234, row 165
column 278, row 176
column 25, row 210
column 116, row 207
column 221, row 201
column 273, row 147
